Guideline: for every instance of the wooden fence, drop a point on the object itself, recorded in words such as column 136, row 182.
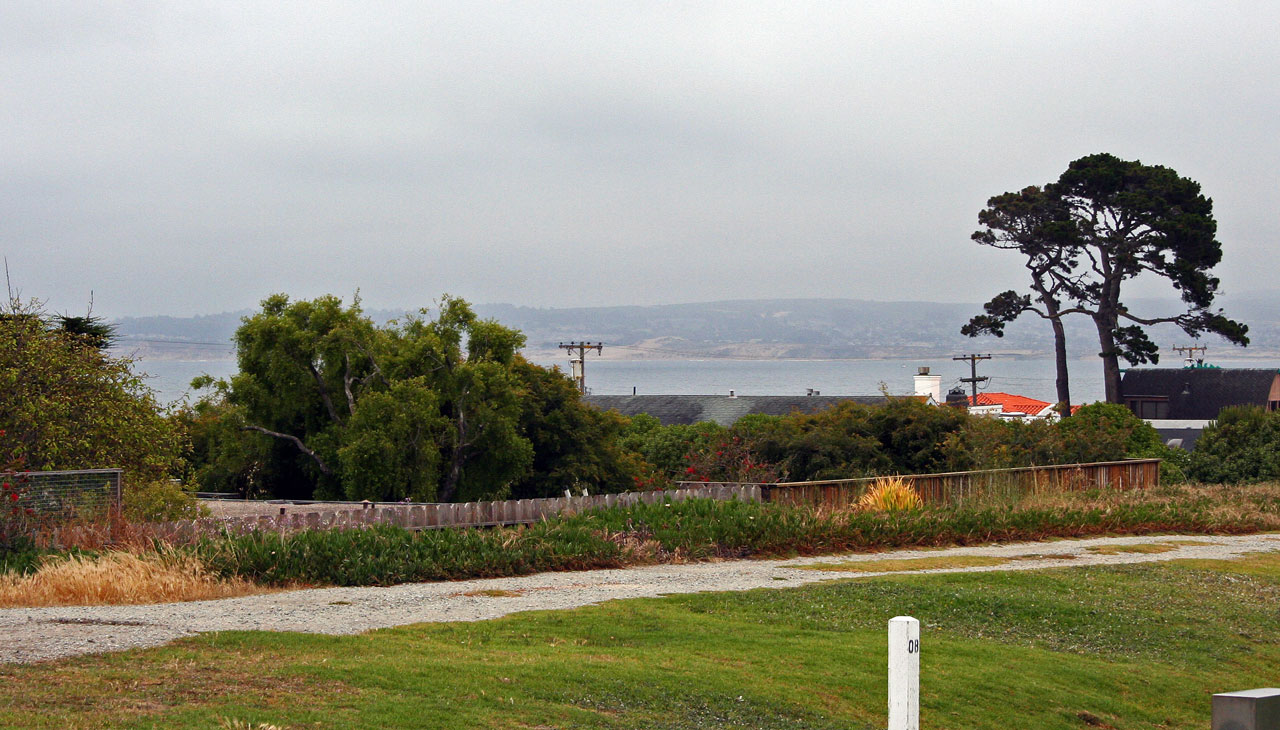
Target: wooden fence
column 953, row 487
column 436, row 516
column 945, row 488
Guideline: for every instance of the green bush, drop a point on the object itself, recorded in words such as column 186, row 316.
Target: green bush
column 162, row 501
column 666, row 449
column 902, row 436
column 1241, row 445
column 1109, row 431
column 66, row 405
column 993, row 443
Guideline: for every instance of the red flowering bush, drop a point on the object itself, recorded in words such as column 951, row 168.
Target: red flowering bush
column 16, row 519
column 729, row 460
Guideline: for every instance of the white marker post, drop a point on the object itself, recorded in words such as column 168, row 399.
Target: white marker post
column 904, row 673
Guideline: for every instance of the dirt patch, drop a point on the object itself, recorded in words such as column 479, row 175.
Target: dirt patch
column 493, row 593
column 940, row 562
column 1150, row 548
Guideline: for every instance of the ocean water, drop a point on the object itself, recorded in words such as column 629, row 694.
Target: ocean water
column 1030, row 377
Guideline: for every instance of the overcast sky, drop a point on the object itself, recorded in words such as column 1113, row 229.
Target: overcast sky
column 191, row 157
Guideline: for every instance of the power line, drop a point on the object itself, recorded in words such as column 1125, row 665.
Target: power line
column 130, row 340
column 579, row 364
column 973, row 378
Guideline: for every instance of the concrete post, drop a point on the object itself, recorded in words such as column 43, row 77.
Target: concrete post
column 1251, row 709
column 904, row 673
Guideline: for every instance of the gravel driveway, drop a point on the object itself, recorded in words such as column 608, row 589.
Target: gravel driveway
column 37, row 634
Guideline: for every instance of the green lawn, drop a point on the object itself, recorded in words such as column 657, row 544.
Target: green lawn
column 1125, row 647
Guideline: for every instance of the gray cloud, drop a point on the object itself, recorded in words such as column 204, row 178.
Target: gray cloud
column 193, row 160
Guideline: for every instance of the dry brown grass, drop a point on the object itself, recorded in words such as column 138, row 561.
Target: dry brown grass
column 228, row 723
column 118, row 577
column 493, row 593
column 1252, row 504
column 113, row 531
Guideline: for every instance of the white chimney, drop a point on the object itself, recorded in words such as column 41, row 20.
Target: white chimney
column 930, row 385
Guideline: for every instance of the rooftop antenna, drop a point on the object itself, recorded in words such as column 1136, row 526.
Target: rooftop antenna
column 1191, row 350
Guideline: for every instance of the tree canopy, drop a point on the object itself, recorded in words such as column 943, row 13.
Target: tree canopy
column 438, row 406
column 1104, row 222
column 67, row 405
column 1037, row 225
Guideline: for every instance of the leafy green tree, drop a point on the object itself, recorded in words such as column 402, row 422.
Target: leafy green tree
column 995, row 443
column 220, row 454
column 573, row 443
column 912, row 434
column 469, row 363
column 302, row 366
column 66, row 405
column 428, row 408
column 391, row 447
column 1104, row 432
column 1109, row 432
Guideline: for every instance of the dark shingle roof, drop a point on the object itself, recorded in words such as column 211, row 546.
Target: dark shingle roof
column 1199, row 393
column 722, row 409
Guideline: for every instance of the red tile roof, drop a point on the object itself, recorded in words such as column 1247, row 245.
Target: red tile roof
column 1011, row 403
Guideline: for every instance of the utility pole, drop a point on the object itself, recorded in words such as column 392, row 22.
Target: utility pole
column 973, row 378
column 579, row 364
column 1190, row 351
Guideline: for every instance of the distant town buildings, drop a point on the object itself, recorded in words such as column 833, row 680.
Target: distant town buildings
column 725, row 409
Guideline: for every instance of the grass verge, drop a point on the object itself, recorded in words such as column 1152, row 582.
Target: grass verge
column 704, row 529
column 637, row 535
column 1125, row 647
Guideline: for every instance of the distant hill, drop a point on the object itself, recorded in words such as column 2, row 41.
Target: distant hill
column 774, row 328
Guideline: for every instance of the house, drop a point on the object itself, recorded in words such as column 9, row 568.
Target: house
column 1179, row 402
column 1010, row 406
column 725, row 409
column 1197, row 393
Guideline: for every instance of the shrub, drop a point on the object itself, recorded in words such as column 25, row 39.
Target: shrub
column 66, row 405
column 666, row 449
column 1241, row 445
column 162, row 501
column 16, row 520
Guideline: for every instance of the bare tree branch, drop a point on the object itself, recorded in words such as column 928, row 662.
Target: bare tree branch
column 324, row 392
column 324, row 468
column 347, row 379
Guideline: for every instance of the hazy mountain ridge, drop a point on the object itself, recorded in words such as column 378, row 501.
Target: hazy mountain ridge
column 795, row 328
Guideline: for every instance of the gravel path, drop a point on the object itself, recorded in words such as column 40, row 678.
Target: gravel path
column 37, row 634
